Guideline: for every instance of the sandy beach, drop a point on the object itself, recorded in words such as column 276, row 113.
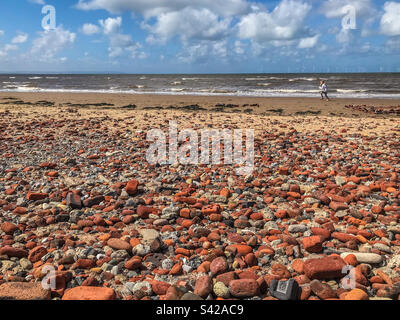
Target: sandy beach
column 257, row 105
column 77, row 194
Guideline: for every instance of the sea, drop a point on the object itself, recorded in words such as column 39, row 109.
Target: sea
column 340, row 85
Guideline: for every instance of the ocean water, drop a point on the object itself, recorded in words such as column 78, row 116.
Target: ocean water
column 365, row 85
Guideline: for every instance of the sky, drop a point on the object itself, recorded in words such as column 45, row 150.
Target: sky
column 199, row 36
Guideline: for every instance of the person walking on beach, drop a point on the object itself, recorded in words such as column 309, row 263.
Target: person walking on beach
column 324, row 90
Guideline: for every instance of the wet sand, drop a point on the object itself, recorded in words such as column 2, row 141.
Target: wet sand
column 257, row 105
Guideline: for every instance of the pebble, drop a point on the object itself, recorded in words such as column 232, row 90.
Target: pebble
column 191, row 296
column 23, row 291
column 8, row 227
column 89, row 293
column 203, row 286
column 369, row 258
column 74, row 201
column 167, row 264
column 218, row 266
column 119, row 244
column 221, row 290
column 149, row 235
column 244, row 288
column 355, row 294
column 141, row 250
column 297, row 228
column 13, row 252
column 382, row 247
column 322, row 290
column 324, row 268
column 75, row 196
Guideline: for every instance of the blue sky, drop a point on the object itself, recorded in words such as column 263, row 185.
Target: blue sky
column 201, row 36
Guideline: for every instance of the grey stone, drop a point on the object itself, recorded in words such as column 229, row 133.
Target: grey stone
column 340, row 180
column 191, row 296
column 167, row 264
column 382, row 247
column 149, row 235
column 295, row 228
column 370, row 258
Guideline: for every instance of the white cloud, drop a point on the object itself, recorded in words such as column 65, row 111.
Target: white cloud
column 390, row 21
column 120, row 43
column 152, row 8
column 310, row 42
column 197, row 53
column 111, row 25
column 21, row 38
column 220, row 49
column 203, row 51
column 114, row 52
column 345, row 36
column 337, row 8
column 193, row 22
column 285, row 22
column 1, row 33
column 197, row 24
column 239, row 47
column 136, row 52
column 365, row 14
column 38, row 1
column 51, row 42
column 90, row 29
column 10, row 47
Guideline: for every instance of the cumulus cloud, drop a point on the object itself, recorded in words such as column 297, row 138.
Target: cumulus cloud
column 225, row 29
column 390, row 21
column 21, row 38
column 339, row 8
column 7, row 48
column 111, row 25
column 203, row 51
column 365, row 13
column 197, row 24
column 51, row 42
column 119, row 43
column 187, row 19
column 136, row 51
column 152, row 8
column 286, row 22
column 90, row 29
column 310, row 42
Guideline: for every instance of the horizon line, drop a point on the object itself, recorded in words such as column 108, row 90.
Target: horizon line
column 213, row 73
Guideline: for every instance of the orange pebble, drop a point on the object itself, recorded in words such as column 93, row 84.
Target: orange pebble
column 351, row 260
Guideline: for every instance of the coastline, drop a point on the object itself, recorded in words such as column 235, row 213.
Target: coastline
column 266, row 105
column 79, row 192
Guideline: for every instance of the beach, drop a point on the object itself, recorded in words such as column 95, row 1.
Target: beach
column 78, row 195
column 257, row 105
